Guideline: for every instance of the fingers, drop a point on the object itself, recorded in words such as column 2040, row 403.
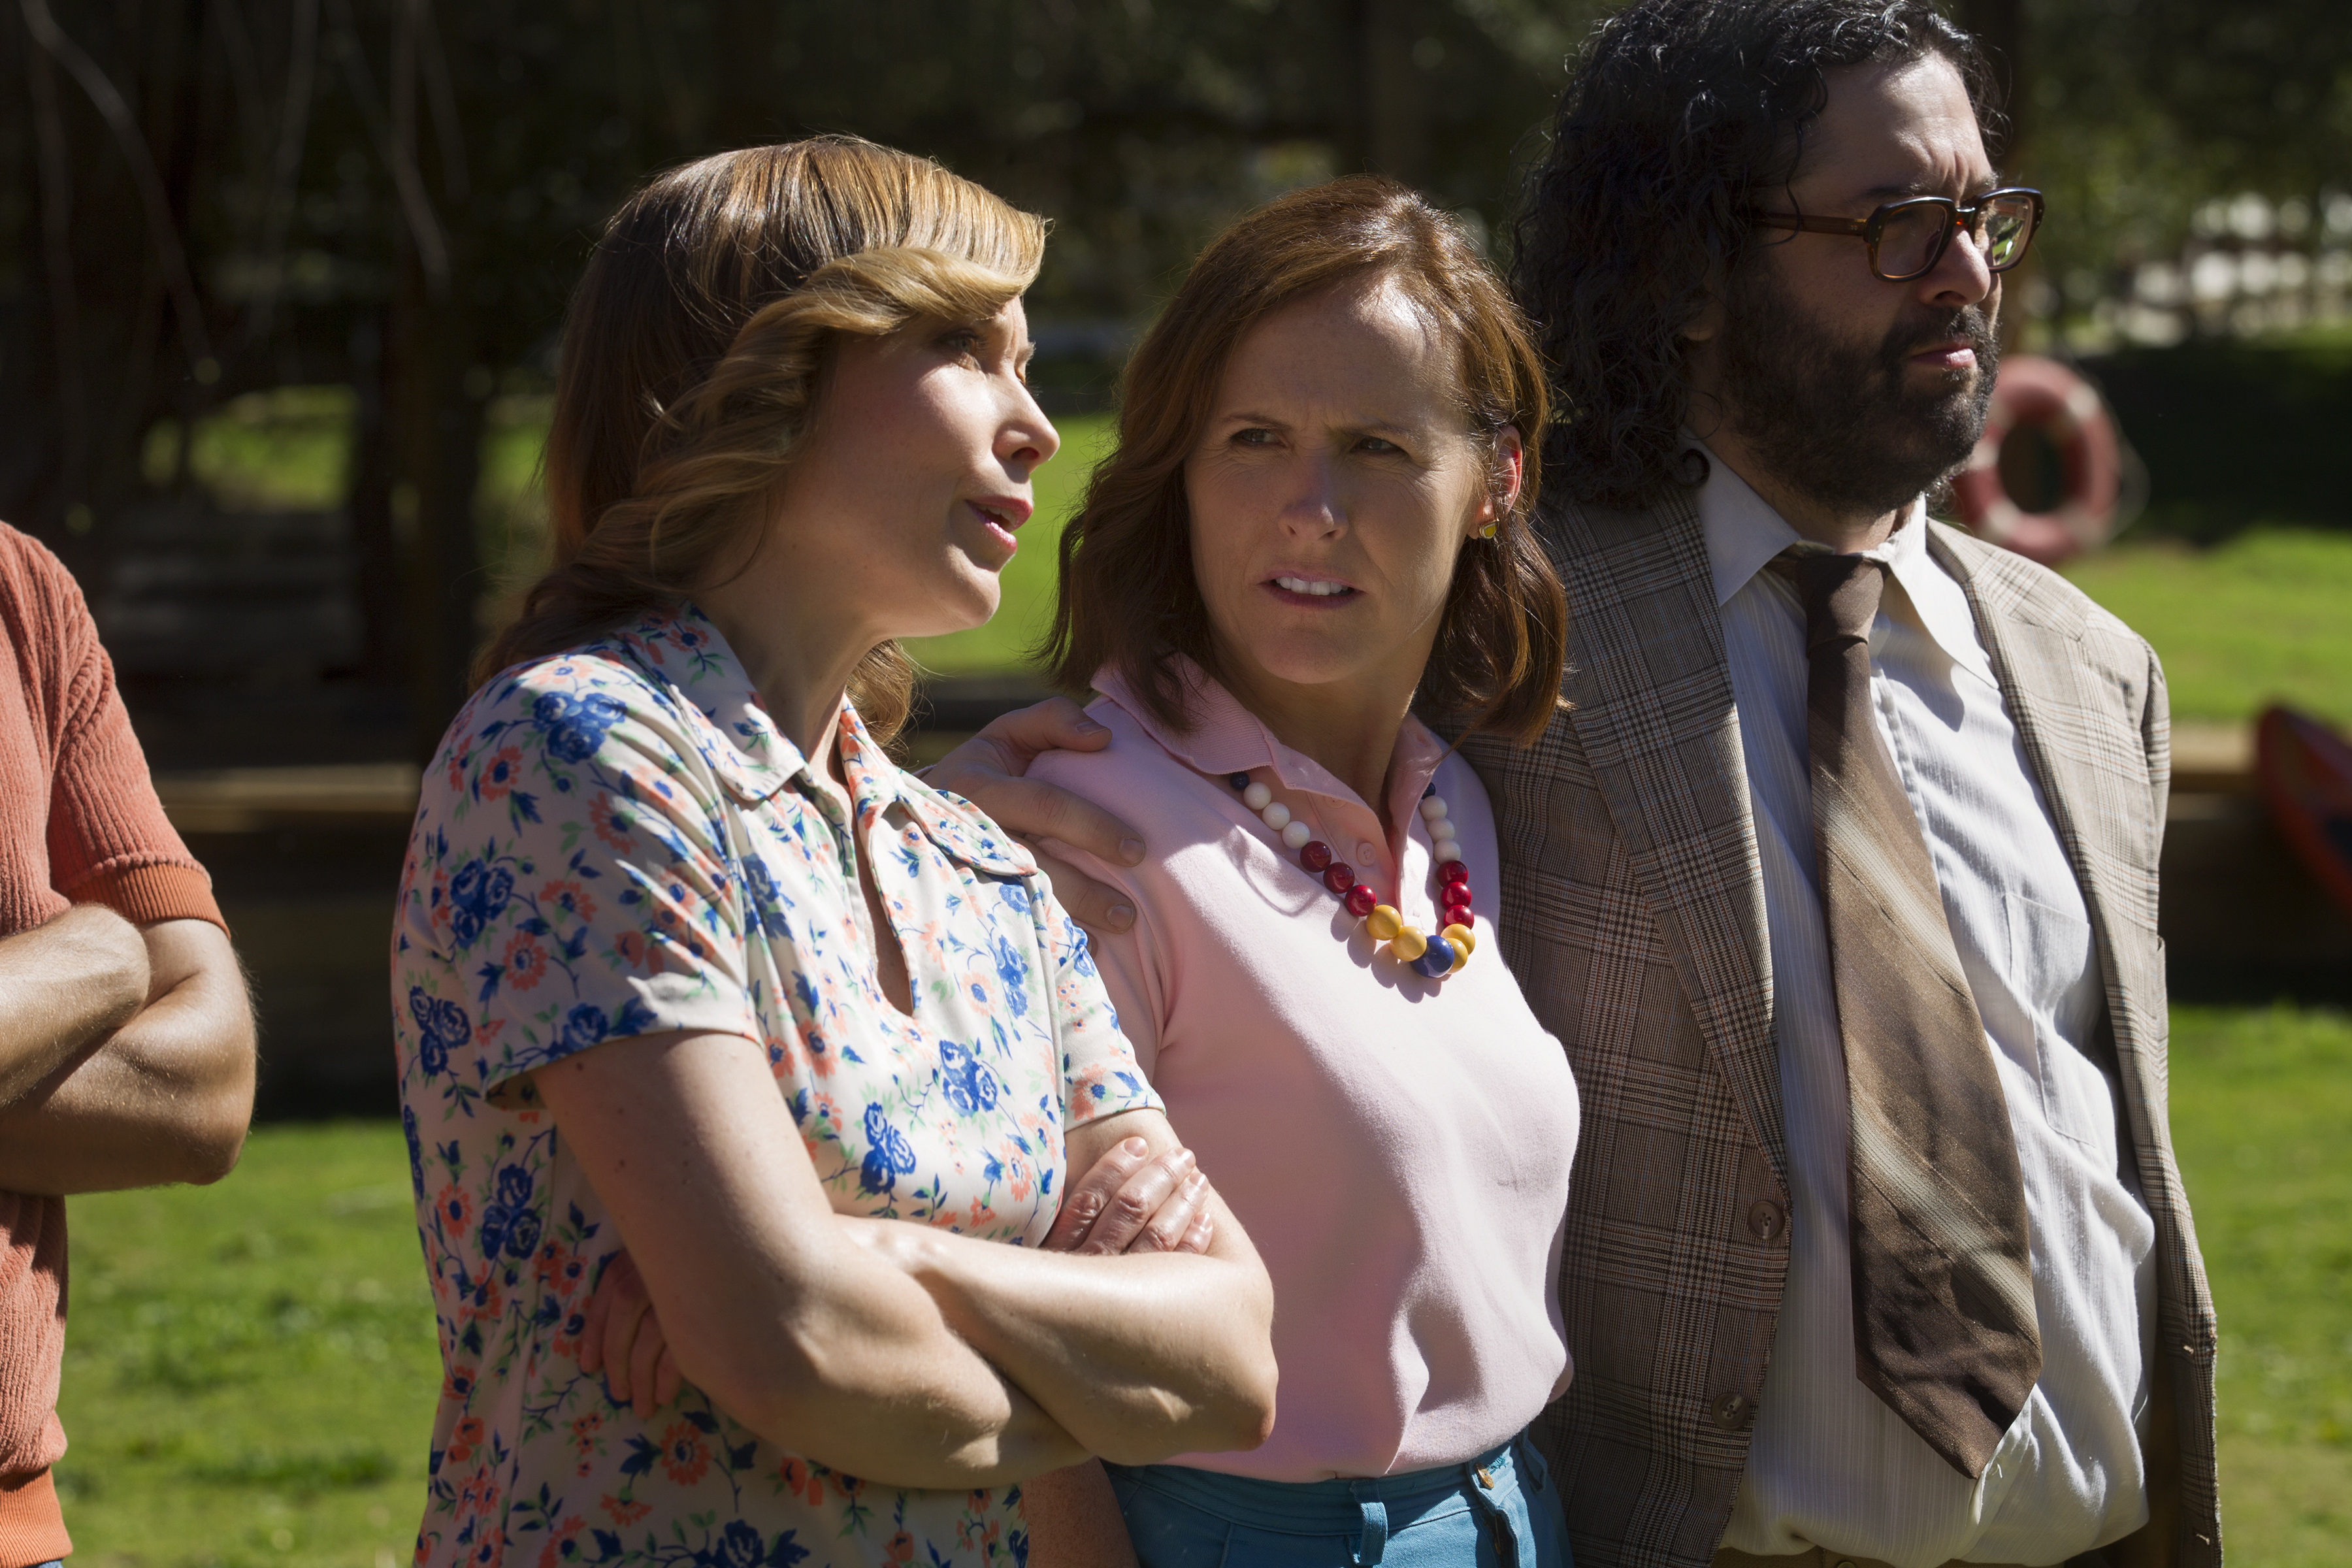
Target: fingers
column 1032, row 809
column 599, row 1308
column 1175, row 1219
column 1137, row 1202
column 1197, row 1235
column 623, row 1304
column 1098, row 906
column 1092, row 1194
column 644, row 1364
column 1056, row 725
column 667, row 1378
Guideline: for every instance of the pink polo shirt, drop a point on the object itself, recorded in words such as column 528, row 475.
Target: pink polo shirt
column 1398, row 1147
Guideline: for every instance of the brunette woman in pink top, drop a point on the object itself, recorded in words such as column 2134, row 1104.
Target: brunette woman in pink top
column 1317, row 515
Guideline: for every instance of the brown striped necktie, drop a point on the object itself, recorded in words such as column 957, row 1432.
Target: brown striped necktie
column 1944, row 1323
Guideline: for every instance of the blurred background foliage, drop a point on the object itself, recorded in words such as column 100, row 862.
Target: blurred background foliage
column 280, row 283
column 384, row 203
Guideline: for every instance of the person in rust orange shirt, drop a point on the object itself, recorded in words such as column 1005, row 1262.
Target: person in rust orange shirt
column 126, row 1038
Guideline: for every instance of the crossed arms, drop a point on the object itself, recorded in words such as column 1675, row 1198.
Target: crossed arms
column 126, row 1054
column 886, row 1349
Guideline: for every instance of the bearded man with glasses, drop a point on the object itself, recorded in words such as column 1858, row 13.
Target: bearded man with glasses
column 1836, row 876
column 1839, row 879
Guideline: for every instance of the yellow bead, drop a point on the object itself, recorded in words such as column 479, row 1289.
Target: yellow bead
column 1383, row 923
column 1408, row 943
column 1464, row 941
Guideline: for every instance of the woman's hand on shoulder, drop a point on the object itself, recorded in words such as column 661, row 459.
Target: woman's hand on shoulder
column 991, row 770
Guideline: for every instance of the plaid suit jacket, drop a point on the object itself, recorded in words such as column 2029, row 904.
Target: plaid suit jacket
column 1633, row 916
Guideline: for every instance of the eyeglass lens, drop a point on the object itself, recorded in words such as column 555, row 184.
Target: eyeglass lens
column 1911, row 239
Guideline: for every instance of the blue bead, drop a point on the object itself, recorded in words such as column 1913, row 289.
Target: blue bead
column 1239, row 781
column 1438, row 960
column 1430, row 790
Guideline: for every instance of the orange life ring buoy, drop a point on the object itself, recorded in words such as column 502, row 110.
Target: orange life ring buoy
column 2032, row 392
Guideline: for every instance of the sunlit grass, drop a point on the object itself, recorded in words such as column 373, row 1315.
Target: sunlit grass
column 2261, row 1101
column 251, row 1372
column 2266, row 617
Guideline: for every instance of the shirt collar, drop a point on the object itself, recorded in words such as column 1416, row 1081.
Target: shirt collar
column 725, row 720
column 1743, row 534
column 1227, row 738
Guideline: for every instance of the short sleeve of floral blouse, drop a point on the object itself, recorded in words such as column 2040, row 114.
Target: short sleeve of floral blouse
column 615, row 843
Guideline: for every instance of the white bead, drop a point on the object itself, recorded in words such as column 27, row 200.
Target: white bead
column 1257, row 796
column 1276, row 817
column 1432, row 807
column 1447, row 849
column 1441, row 834
column 1297, row 835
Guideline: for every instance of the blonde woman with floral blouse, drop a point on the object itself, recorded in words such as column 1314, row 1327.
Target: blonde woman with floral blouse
column 683, row 961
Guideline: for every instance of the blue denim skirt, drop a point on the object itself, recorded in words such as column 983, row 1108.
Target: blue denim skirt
column 1499, row 1511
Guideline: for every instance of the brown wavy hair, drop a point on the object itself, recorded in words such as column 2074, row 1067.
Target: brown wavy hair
column 693, row 362
column 1128, row 599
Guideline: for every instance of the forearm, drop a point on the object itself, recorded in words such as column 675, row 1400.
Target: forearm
column 65, row 986
column 1139, row 1356
column 165, row 1099
column 865, row 1375
column 1074, row 1520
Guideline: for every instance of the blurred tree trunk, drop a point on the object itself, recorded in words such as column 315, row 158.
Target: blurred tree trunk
column 433, row 419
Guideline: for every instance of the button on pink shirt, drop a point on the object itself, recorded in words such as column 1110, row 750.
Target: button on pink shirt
column 1398, row 1147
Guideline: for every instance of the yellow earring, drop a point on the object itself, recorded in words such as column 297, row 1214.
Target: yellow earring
column 1487, row 531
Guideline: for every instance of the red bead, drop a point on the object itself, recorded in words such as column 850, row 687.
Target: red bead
column 1338, row 876
column 1453, row 871
column 1316, row 855
column 1362, row 900
column 1455, row 894
column 1456, row 915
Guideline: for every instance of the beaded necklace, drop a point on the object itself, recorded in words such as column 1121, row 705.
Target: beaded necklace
column 1434, row 956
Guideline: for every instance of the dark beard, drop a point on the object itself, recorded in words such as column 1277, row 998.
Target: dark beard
column 1833, row 422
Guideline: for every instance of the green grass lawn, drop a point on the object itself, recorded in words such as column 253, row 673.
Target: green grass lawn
column 250, row 1370
column 2266, row 617
column 251, row 1374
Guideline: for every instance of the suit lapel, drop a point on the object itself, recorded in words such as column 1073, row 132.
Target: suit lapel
column 2035, row 640
column 1653, row 709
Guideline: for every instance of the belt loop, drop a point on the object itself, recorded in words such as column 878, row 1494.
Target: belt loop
column 1373, row 1543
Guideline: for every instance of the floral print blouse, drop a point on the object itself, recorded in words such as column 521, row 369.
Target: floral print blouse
column 616, row 841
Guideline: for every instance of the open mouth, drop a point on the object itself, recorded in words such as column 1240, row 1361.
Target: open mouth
column 1001, row 517
column 1312, row 590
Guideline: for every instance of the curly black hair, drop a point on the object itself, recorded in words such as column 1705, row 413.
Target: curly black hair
column 1677, row 112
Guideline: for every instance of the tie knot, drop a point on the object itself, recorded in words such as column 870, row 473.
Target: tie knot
column 1839, row 592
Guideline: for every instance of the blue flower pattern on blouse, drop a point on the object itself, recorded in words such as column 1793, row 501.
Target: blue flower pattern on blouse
column 615, row 842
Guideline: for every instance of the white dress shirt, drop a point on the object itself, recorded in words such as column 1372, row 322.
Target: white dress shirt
column 1829, row 1465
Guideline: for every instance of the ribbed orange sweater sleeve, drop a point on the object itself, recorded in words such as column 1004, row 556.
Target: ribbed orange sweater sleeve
column 80, row 823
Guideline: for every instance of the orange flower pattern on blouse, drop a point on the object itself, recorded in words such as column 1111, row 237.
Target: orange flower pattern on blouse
column 614, row 842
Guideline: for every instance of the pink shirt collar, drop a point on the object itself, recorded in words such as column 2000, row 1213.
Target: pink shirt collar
column 1227, row 738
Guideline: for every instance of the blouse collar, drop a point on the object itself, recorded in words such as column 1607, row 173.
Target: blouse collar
column 683, row 652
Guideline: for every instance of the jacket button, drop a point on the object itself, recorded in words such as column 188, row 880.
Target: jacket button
column 1764, row 1218
column 1731, row 1411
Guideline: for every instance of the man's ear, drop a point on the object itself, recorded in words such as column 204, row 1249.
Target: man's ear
column 1703, row 327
